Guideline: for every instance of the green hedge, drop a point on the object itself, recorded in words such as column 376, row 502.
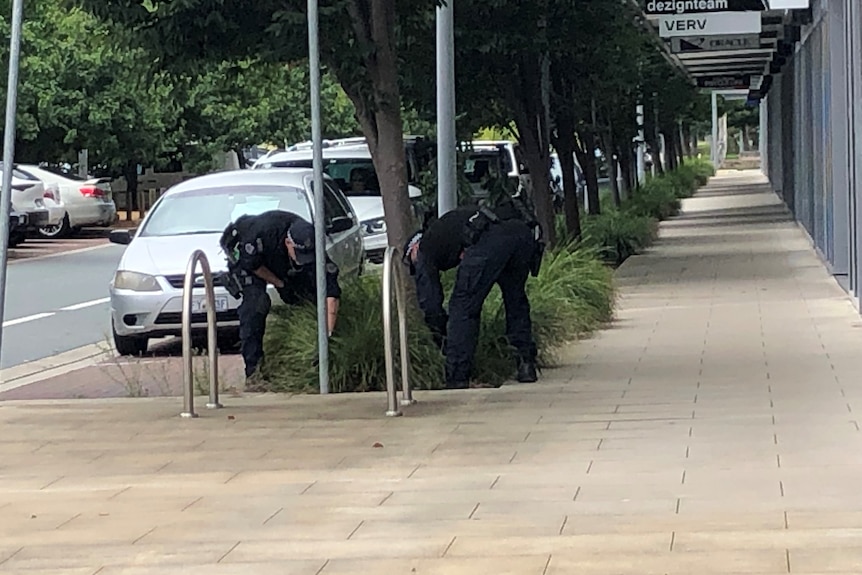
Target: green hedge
column 617, row 234
column 571, row 297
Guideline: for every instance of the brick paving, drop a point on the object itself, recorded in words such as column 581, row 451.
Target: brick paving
column 712, row 429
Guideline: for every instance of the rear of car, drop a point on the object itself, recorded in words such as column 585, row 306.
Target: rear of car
column 29, row 196
column 146, row 292
column 88, row 201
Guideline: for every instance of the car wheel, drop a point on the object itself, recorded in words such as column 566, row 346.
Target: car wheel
column 58, row 231
column 130, row 344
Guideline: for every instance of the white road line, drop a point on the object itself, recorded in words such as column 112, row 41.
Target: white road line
column 26, row 319
column 38, row 316
column 86, row 304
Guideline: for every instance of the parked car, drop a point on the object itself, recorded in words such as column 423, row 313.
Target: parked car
column 146, row 291
column 88, row 201
column 17, row 222
column 30, row 196
column 348, row 163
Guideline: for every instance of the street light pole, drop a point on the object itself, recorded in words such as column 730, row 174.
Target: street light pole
column 714, row 146
column 447, row 177
column 319, row 206
column 9, row 149
column 641, row 160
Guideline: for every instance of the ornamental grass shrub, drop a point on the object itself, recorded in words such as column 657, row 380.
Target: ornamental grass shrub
column 570, row 298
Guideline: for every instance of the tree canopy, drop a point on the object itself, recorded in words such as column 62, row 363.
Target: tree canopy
column 136, row 80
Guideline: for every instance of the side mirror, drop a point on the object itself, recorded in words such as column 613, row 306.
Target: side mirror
column 122, row 237
column 339, row 224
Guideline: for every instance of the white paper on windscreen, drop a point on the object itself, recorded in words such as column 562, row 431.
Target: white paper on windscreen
column 253, row 207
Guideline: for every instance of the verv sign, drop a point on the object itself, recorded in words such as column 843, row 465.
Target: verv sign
column 709, row 24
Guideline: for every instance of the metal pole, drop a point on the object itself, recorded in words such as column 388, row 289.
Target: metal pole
column 401, row 300
column 641, row 145
column 713, row 148
column 319, row 217
column 447, row 177
column 212, row 332
column 391, row 392
column 188, row 368
column 198, row 256
column 9, row 149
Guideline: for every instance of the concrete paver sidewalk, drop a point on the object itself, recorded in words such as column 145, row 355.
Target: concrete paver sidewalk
column 712, row 429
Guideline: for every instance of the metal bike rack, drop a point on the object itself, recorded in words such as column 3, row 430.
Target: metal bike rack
column 389, row 262
column 212, row 348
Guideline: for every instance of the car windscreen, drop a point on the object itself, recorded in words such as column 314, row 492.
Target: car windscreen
column 479, row 165
column 354, row 176
column 210, row 210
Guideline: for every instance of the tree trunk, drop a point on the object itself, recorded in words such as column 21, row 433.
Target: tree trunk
column 677, row 146
column 531, row 119
column 130, row 173
column 685, row 139
column 672, row 157
column 379, row 112
column 625, row 157
column 586, row 153
column 653, row 143
column 538, row 159
column 565, row 145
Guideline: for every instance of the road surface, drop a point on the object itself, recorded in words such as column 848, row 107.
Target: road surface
column 57, row 304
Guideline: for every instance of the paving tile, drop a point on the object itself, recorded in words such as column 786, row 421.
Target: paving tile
column 708, row 415
column 312, row 567
column 94, row 556
column 426, row 547
column 445, row 566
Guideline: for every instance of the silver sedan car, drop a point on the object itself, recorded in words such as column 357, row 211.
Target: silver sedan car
column 147, row 289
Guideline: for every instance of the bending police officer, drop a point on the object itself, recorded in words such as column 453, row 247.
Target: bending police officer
column 275, row 247
column 501, row 246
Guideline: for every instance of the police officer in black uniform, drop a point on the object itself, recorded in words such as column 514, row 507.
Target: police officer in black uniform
column 275, row 247
column 489, row 246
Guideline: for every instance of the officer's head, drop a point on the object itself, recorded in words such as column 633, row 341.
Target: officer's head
column 300, row 242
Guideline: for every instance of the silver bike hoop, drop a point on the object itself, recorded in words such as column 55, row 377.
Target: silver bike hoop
column 389, row 262
column 198, row 257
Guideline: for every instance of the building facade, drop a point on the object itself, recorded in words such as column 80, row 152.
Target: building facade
column 811, row 123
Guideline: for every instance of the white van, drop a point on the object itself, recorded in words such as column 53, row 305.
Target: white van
column 349, row 163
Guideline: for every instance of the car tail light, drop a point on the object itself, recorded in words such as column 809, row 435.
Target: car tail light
column 92, row 192
column 49, row 193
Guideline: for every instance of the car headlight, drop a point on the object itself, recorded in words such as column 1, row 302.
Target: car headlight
column 135, row 281
column 372, row 227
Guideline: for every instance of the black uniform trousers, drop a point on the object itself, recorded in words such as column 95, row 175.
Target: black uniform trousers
column 502, row 255
column 253, row 309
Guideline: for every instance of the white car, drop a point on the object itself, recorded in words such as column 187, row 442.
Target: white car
column 147, row 289
column 88, row 201
column 30, row 196
column 348, row 162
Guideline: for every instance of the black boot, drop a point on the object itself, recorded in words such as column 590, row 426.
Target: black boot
column 527, row 372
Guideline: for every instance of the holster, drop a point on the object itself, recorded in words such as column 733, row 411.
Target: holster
column 538, row 254
column 232, row 283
